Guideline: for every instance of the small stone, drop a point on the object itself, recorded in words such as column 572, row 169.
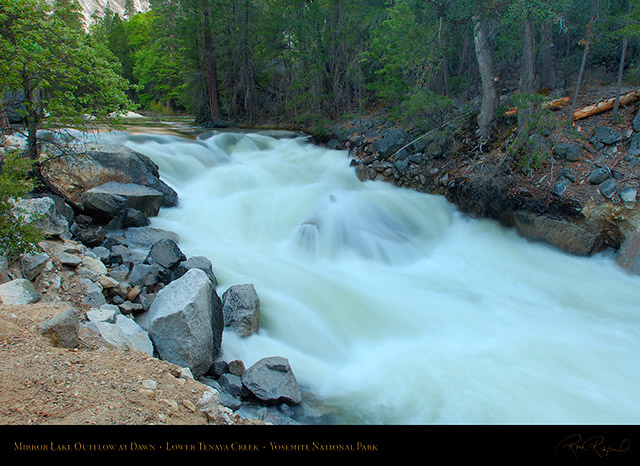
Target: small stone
column 599, row 175
column 608, row 188
column 189, row 405
column 628, row 196
column 185, row 373
column 150, row 384
column 560, row 186
column 147, row 393
column 236, row 367
column 68, row 260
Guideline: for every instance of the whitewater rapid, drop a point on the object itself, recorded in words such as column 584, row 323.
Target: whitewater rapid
column 390, row 305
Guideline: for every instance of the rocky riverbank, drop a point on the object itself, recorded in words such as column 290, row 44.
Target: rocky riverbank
column 111, row 274
column 575, row 189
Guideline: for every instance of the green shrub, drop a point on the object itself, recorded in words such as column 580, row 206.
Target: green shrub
column 17, row 235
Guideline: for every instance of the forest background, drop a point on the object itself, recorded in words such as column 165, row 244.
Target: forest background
column 307, row 63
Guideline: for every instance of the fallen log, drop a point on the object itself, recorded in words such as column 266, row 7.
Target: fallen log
column 605, row 105
column 551, row 105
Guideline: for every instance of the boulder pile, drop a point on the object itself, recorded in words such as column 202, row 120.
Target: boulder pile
column 133, row 285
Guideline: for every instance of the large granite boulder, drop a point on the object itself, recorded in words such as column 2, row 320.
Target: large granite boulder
column 19, row 291
column 564, row 235
column 185, row 322
column 272, row 380
column 107, row 201
column 71, row 175
column 42, row 212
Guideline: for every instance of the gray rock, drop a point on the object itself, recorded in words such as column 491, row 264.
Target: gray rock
column 628, row 196
column 636, row 122
column 67, row 260
column 137, row 338
column 634, row 145
column 599, row 175
column 129, row 218
column 272, row 380
column 166, row 253
column 145, row 237
column 124, row 334
column 91, row 235
column 391, row 141
column 106, row 313
column 75, row 174
column 4, row 270
column 628, row 256
column 108, row 200
column 33, row 264
column 401, row 165
column 568, row 174
column 128, row 307
column 568, row 151
column 197, row 262
column 605, row 135
column 186, row 323
column 19, row 291
column 564, row 235
column 608, row 188
column 144, row 274
column 241, row 309
column 93, row 293
column 43, row 214
column 102, row 253
column 560, row 186
column 231, row 384
column 62, row 329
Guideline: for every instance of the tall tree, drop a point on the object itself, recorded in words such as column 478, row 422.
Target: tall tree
column 595, row 5
column 51, row 61
column 488, row 75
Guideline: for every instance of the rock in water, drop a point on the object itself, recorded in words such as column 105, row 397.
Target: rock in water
column 272, row 380
column 166, row 253
column 107, row 201
column 75, row 174
column 628, row 256
column 186, row 322
column 241, row 309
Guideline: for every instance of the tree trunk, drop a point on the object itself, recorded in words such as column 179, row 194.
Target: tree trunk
column 625, row 42
column 585, row 53
column 527, row 75
column 614, row 115
column 488, row 77
column 210, row 69
column 547, row 63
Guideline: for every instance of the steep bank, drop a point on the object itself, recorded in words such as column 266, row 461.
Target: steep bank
column 574, row 188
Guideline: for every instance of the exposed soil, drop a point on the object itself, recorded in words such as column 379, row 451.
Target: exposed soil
column 93, row 383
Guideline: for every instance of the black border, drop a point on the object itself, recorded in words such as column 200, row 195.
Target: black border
column 513, row 443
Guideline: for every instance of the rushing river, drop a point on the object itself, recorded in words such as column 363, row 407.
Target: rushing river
column 389, row 304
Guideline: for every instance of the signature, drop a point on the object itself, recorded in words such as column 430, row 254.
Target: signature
column 576, row 445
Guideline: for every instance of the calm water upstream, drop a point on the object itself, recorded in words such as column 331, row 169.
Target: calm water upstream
column 392, row 306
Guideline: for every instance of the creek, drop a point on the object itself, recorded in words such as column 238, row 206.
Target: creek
column 390, row 305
